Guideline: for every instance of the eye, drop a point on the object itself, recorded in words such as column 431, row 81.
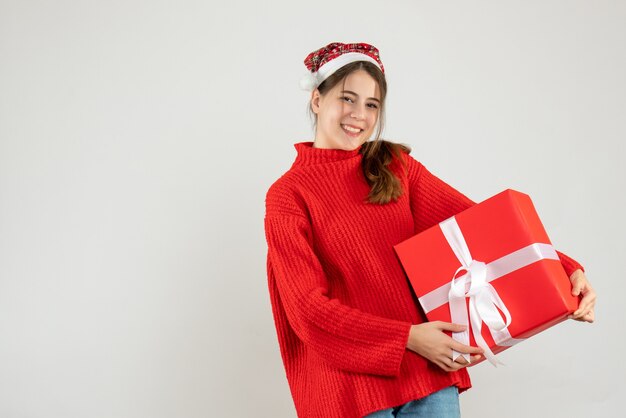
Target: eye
column 347, row 99
column 372, row 105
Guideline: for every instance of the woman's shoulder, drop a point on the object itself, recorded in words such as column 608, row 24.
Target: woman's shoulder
column 287, row 184
column 284, row 195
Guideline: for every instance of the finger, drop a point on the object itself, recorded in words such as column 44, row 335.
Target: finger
column 461, row 360
column 476, row 358
column 587, row 291
column 577, row 285
column 587, row 303
column 586, row 316
column 448, row 326
column 579, row 282
column 465, row 349
column 448, row 368
column 445, row 364
column 583, row 319
column 461, row 363
column 588, row 295
column 456, row 365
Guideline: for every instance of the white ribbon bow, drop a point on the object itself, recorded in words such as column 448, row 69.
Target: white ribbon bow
column 484, row 300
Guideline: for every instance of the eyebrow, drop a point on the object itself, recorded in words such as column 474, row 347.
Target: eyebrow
column 351, row 92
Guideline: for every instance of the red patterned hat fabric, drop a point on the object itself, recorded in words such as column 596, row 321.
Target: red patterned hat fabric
column 328, row 59
column 318, row 58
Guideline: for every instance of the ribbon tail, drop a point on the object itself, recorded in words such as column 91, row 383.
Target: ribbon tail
column 478, row 337
column 456, row 354
column 491, row 357
column 458, row 312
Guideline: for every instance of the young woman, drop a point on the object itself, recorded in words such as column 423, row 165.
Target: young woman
column 352, row 336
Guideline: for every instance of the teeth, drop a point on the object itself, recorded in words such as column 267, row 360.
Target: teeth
column 350, row 129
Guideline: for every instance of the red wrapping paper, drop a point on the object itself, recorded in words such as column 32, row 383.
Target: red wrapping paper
column 537, row 296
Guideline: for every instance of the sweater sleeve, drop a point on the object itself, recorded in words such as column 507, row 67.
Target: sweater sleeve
column 433, row 201
column 345, row 337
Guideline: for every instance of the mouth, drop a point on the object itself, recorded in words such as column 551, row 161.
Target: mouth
column 352, row 131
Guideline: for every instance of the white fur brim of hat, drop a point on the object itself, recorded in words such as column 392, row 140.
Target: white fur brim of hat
column 311, row 80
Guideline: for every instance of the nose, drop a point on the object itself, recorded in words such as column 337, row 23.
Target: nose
column 357, row 114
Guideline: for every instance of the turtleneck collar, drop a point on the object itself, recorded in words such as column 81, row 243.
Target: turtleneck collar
column 307, row 155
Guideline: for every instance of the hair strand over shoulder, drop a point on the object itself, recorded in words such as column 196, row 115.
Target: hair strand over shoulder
column 378, row 155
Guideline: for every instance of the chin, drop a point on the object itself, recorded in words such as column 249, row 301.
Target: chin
column 351, row 144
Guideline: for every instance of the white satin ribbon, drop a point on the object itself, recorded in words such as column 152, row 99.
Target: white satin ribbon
column 484, row 300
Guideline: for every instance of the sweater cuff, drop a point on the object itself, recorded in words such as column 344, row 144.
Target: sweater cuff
column 569, row 264
column 395, row 359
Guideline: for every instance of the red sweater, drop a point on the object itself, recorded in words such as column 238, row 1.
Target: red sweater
column 341, row 302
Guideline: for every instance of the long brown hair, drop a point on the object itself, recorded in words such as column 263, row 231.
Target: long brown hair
column 378, row 154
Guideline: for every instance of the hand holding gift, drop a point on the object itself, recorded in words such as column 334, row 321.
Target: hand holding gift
column 431, row 342
column 582, row 288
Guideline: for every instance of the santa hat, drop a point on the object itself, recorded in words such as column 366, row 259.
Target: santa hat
column 323, row 62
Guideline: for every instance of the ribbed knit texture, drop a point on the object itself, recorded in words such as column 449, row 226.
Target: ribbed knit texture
column 341, row 302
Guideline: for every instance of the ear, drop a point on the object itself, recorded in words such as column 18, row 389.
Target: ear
column 315, row 101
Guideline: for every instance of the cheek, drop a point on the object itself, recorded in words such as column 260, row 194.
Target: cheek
column 331, row 119
column 373, row 118
column 336, row 118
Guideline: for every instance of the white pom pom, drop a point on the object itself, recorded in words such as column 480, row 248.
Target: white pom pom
column 309, row 82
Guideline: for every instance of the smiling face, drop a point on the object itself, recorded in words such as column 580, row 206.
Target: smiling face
column 347, row 113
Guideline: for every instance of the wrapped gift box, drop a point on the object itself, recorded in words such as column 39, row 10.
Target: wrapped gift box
column 503, row 266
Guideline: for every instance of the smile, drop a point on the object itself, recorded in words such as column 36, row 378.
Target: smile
column 351, row 129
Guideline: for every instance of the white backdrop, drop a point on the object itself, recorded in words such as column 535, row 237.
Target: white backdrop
column 138, row 139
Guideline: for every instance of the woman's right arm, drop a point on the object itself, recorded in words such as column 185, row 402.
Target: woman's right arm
column 345, row 337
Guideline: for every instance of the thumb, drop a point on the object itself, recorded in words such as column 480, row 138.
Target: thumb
column 578, row 282
column 577, row 288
